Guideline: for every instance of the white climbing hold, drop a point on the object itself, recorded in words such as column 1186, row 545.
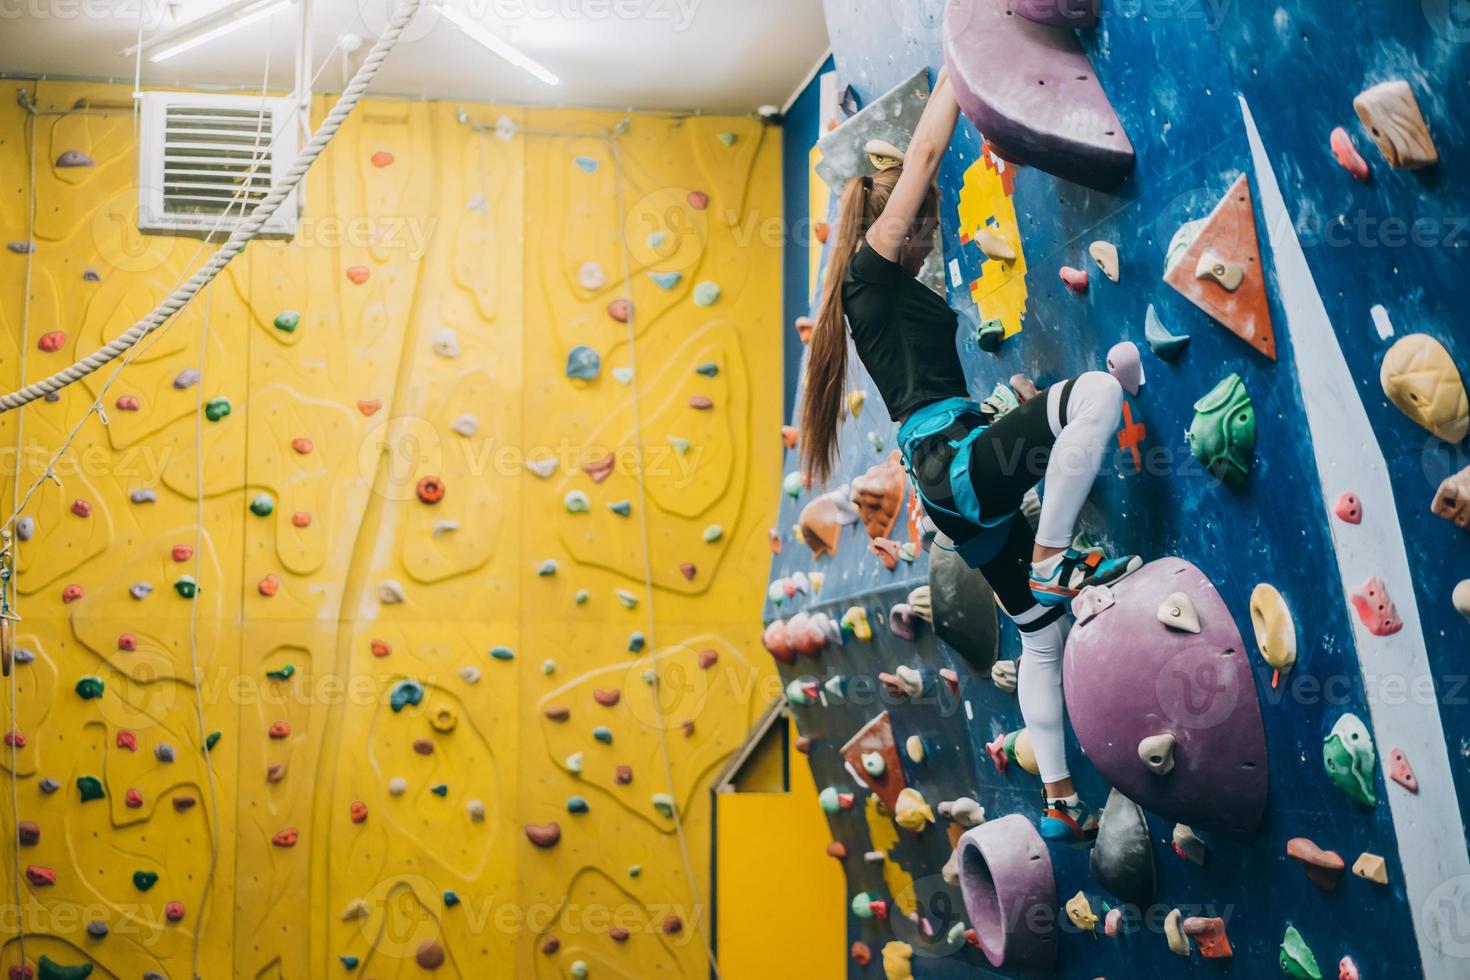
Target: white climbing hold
column 1188, row 845
column 628, row 599
column 873, row 764
column 1174, row 933
column 1381, row 322
column 994, row 246
column 576, row 502
column 965, row 811
column 1461, row 598
column 505, row 129
column 446, row 342
column 1178, row 613
column 575, row 763
column 911, row 679
column 1157, row 752
column 444, row 527
column 591, row 276
column 1003, row 675
column 397, row 786
column 469, row 674
column 391, row 593
column 914, row 747
column 476, row 810
column 466, row 425
column 543, row 467
column 1105, row 254
column 622, row 375
column 707, row 293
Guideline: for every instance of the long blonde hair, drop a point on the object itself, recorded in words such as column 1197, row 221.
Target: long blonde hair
column 863, row 201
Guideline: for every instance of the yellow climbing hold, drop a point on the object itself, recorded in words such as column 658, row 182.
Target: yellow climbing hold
column 911, row 812
column 1174, row 933
column 855, row 621
column 898, row 961
column 1420, row 377
column 1371, row 867
column 855, row 402
column 1079, row 910
column 1105, row 254
column 1275, row 629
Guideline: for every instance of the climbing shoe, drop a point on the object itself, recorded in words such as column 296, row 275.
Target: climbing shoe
column 1059, row 579
column 1068, row 822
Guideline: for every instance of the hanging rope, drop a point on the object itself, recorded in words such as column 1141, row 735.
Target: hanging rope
column 242, row 234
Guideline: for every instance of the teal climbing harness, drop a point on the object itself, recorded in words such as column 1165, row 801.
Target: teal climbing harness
column 934, row 419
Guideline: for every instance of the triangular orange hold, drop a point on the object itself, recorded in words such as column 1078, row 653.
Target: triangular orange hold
column 1229, row 236
column 876, row 737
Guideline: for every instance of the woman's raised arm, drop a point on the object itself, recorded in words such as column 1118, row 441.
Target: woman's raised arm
column 920, row 167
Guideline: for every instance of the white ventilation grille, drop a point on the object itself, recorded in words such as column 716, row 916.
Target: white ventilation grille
column 207, row 160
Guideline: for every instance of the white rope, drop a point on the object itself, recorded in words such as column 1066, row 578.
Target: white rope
column 242, row 234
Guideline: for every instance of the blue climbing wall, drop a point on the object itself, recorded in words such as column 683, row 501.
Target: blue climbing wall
column 1178, row 75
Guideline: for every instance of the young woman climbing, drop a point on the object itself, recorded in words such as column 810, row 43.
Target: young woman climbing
column 970, row 475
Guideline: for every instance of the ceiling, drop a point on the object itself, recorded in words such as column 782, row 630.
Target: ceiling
column 710, row 55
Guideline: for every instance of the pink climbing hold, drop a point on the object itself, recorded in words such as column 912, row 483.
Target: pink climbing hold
column 1349, row 508
column 707, row 659
column 698, row 200
column 1346, row 152
column 52, row 342
column 607, row 698
column 1376, row 609
column 127, row 642
column 173, row 911
column 997, row 752
column 1347, row 969
column 1076, row 279
column 132, row 799
column 182, row 552
column 1125, row 364
column 39, row 876
column 127, row 403
column 1401, row 772
column 1113, row 922
column 805, row 635
column 688, row 569
column 951, row 679
column 886, row 550
column 701, row 403
column 775, row 641
column 72, row 593
column 81, row 508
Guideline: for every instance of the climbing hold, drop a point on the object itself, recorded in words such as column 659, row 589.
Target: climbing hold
column 1174, row 933
column 713, row 533
column 862, row 904
column 186, row 587
column 89, row 687
column 1376, row 608
column 883, row 155
column 1391, row 113
column 81, row 508
column 1009, row 893
column 707, row 293
column 1004, row 675
column 856, row 399
column 1178, row 613
column 475, row 809
column 1223, row 434
column 132, row 799
column 268, row 585
column 801, row 692
column 74, row 158
column 1126, row 364
column 1032, row 91
column 912, row 812
column 1349, row 508
column 1349, row 758
column 898, row 961
column 701, row 403
column 25, row 528
column 90, row 788
column 913, row 747
column 576, row 804
column 429, row 955
column 49, row 969
column 52, row 342
column 404, row 693
column 1122, row 858
column 820, row 525
column 1013, row 747
column 591, row 276
column 163, row 752
column 965, row 811
column 1076, row 279
column 1347, row 969
column 1401, row 772
column 144, row 880
column 607, row 698
column 1371, row 867
column 620, row 310
column 40, row 876
column 28, row 833
column 286, row 838
column 663, row 804
column 440, row 789
column 48, row 785
column 583, row 363
column 1296, row 957
column 878, row 495
column 576, row 502
column 575, row 763
column 390, row 592
column 636, row 642
column 72, row 593
column 1157, row 752
column 1166, row 345
column 1346, row 153
column 1079, row 910
column 1105, row 254
column 217, row 408
column 1228, row 275
column 183, row 802
column 144, row 496
column 1275, row 629
column 381, row 159
column 1324, row 868
column 280, row 729
column 1421, row 379
column 1452, row 500
column 430, row 489
column 1461, row 598
column 994, row 246
column 887, row 552
column 1210, row 935
column 666, row 280
column 262, row 505
column 855, row 621
column 588, row 165
column 369, row 407
column 603, row 734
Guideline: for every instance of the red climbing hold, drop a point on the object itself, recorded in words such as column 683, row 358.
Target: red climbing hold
column 879, row 909
column 623, row 775
column 673, row 925
column 688, row 569
column 72, row 593
column 1376, row 609
column 182, row 552
column 52, row 342
column 81, row 508
column 15, row 740
column 302, row 445
column 280, row 729
column 268, row 586
column 1349, row 508
column 40, row 877
column 861, row 954
column 357, row 811
column 1401, row 772
column 301, row 519
column 431, row 489
column 1131, row 436
column 286, row 838
column 607, row 698
column 707, row 659
column 173, row 911
column 775, row 641
column 381, row 159
column 358, row 274
column 1076, row 279
column 127, row 403
column 1346, row 152
column 21, row 973
column 951, row 679
column 127, row 740
column 1210, row 935
column 369, row 406
column 132, row 799
column 618, row 934
column 698, row 200
column 380, row 648
column 551, row 945
column 127, row 642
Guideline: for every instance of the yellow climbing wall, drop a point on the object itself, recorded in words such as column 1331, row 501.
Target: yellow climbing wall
column 441, row 278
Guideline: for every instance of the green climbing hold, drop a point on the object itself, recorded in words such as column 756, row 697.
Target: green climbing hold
column 144, row 880
column 664, row 804
column 262, row 505
column 727, row 138
column 502, row 653
column 90, row 788
column 186, row 587
column 1296, row 957
column 635, row 870
column 284, row 674
column 681, row 446
column 792, row 484
column 1223, row 435
column 440, row 790
column 575, row 804
column 666, row 280
column 628, row 599
column 581, row 597
column 713, row 533
column 709, row 369
column 49, row 969
column 404, row 693
column 707, row 293
column 989, row 335
column 1350, row 758
column 213, row 739
column 799, row 692
column 286, row 321
column 622, row 508
column 89, row 688
column 862, row 905
column 547, row 568
column 217, row 408
column 602, row 734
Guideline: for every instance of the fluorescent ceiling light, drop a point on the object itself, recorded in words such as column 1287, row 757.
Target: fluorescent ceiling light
column 209, row 27
column 503, row 48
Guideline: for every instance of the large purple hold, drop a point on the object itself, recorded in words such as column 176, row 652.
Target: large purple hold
column 1031, row 92
column 1058, row 13
column 1010, row 893
column 1128, row 677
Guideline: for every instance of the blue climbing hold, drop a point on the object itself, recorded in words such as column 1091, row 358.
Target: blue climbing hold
column 587, row 165
column 1163, row 343
column 709, row 370
column 636, row 642
column 502, row 653
column 441, row 790
column 602, row 734
column 583, row 363
column 405, row 692
column 451, row 899
column 575, row 804
column 666, row 280
column 350, row 962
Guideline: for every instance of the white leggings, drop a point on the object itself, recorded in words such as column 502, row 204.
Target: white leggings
column 1094, row 410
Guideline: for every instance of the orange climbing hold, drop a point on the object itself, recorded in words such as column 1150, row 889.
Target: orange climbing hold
column 804, row 327
column 381, row 159
column 286, row 838
column 861, row 954
column 357, row 811
column 302, row 445
column 607, row 698
column 369, row 406
column 301, row 519
column 790, row 435
column 181, row 552
column 380, row 648
column 600, row 468
column 879, row 494
column 268, row 586
column 1209, row 934
column 358, row 274
column 431, row 489
column 280, row 729
column 1229, row 235
column 543, row 834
